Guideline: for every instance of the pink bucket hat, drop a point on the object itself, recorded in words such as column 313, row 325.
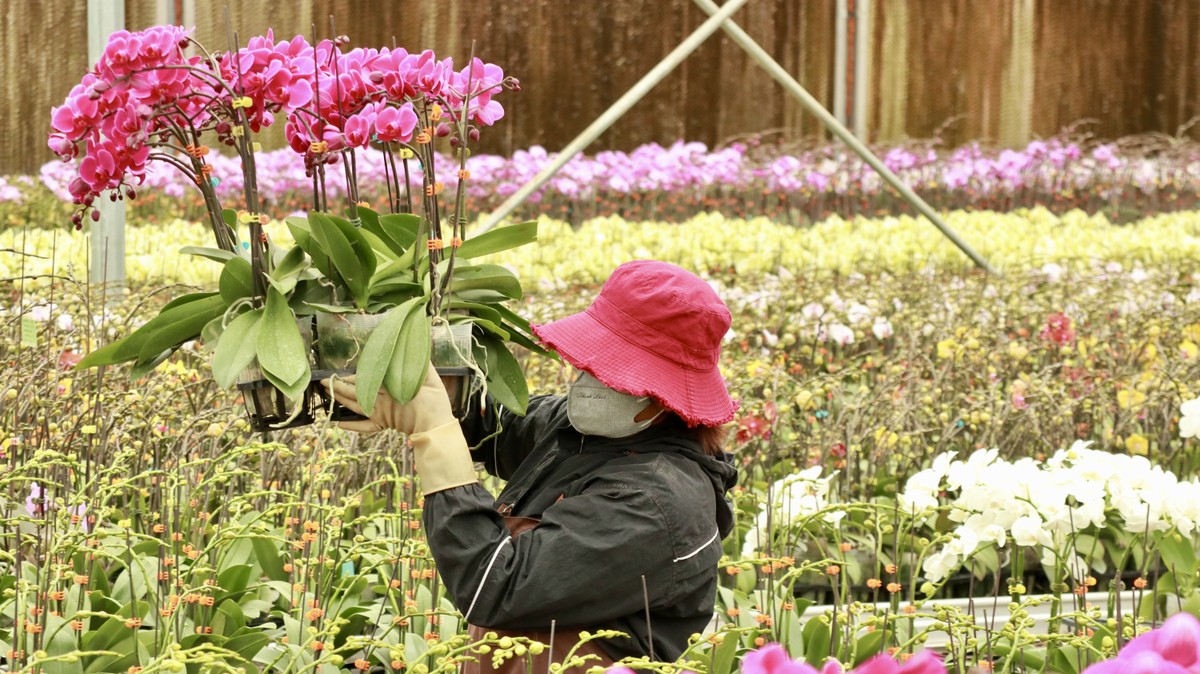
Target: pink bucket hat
column 655, row 330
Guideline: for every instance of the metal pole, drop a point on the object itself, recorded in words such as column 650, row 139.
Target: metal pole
column 614, row 112
column 108, row 234
column 862, row 65
column 812, row 105
column 840, row 38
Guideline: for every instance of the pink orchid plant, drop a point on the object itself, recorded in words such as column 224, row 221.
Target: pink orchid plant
column 151, row 99
column 1173, row 648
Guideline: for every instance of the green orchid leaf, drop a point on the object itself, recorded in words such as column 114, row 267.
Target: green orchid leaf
column 171, row 335
column 401, row 228
column 286, row 273
column 410, row 360
column 215, row 254
column 348, row 251
column 868, row 645
column 282, row 354
column 505, row 379
column 237, row 280
column 816, row 642
column 302, row 235
column 488, row 326
column 376, row 355
column 484, row 311
column 236, row 348
column 379, row 248
column 130, row 346
column 499, row 239
column 491, row 277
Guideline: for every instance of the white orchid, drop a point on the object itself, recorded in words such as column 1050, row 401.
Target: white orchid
column 1189, row 419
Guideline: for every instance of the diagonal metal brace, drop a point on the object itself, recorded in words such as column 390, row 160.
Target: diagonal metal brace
column 811, row 104
column 618, row 109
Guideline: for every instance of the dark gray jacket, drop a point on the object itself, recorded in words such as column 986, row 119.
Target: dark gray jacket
column 612, row 511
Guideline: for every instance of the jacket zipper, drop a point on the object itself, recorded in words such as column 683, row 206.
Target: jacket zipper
column 505, row 509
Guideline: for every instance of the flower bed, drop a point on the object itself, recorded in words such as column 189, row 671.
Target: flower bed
column 1125, row 180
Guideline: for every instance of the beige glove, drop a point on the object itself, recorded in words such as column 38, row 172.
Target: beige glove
column 439, row 448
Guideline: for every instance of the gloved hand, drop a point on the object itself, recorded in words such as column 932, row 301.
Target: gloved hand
column 440, row 451
column 428, row 409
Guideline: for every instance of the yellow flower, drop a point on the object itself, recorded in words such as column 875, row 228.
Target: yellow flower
column 1137, row 445
column 946, row 348
column 1130, row 398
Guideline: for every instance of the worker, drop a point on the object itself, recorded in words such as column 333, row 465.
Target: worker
column 615, row 501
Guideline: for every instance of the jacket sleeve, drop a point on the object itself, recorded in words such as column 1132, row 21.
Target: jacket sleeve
column 501, row 440
column 583, row 565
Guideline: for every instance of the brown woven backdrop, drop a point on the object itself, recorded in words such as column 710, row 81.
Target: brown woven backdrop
column 1002, row 71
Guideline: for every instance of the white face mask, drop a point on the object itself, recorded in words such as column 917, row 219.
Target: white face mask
column 595, row 409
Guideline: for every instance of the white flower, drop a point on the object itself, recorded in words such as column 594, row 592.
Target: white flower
column 65, row 323
column 882, row 328
column 841, row 334
column 858, row 313
column 1189, row 420
column 939, row 565
column 812, row 310
column 1028, row 531
column 1053, row 272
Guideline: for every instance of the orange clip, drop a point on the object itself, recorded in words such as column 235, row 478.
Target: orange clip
column 435, row 244
column 196, row 151
column 317, row 147
column 464, row 174
column 456, row 242
column 425, row 136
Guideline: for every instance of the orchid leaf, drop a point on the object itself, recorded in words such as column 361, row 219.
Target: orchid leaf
column 236, row 349
column 401, row 228
column 128, row 347
column 491, row 277
column 215, row 254
column 348, row 252
column 169, row 336
column 410, row 359
column 287, row 271
column 505, row 379
column 281, row 351
column 237, row 280
column 499, row 239
column 377, row 354
column 302, row 235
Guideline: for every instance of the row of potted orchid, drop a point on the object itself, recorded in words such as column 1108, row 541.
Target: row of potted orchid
column 1122, row 178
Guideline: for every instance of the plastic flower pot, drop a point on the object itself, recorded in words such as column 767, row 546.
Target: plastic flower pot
column 267, row 407
column 455, row 362
column 340, row 339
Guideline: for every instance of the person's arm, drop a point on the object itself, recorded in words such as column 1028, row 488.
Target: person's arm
column 501, row 440
column 583, row 565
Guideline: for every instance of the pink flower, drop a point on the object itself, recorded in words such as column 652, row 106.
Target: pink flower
column 1058, row 329
column 396, row 124
column 1173, row 648
column 35, row 503
column 358, row 128
column 773, row 659
column 925, row 662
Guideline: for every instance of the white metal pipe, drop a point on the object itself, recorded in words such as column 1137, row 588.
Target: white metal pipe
column 108, row 234
column 812, row 105
column 862, row 67
column 841, row 27
column 615, row 111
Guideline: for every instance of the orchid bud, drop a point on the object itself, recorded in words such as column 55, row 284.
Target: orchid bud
column 223, row 128
column 442, row 130
column 473, row 134
column 454, row 141
column 96, row 214
column 130, row 194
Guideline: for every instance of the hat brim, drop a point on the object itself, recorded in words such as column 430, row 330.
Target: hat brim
column 701, row 398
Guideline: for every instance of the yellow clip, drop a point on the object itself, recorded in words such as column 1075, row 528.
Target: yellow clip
column 256, row 146
column 238, row 131
column 246, row 217
column 406, row 153
column 318, row 147
column 243, row 102
column 435, row 112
